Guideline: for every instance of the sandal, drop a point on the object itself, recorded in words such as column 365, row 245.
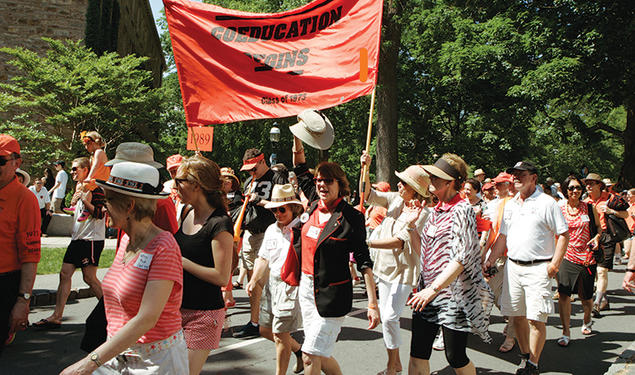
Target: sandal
column 586, row 328
column 507, row 345
column 563, row 341
column 46, row 324
column 237, row 285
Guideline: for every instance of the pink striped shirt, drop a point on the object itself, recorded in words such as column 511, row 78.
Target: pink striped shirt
column 125, row 284
column 579, row 234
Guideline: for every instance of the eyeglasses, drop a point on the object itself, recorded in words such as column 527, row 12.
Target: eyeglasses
column 4, row 161
column 574, row 187
column 74, row 169
column 179, row 181
column 279, row 209
column 327, row 181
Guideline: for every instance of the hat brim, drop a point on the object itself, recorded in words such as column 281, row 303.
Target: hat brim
column 248, row 167
column 322, row 141
column 271, row 205
column 436, row 171
column 412, row 183
column 25, row 176
column 130, row 192
column 114, row 161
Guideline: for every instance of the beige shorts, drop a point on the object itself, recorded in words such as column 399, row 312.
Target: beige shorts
column 249, row 251
column 527, row 291
column 279, row 306
column 56, row 203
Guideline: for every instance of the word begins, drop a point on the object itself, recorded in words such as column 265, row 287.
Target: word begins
column 282, row 60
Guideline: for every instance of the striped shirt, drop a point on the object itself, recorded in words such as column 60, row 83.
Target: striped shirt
column 124, row 285
column 450, row 234
column 579, row 234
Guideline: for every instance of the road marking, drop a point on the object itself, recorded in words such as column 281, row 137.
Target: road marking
column 237, row 345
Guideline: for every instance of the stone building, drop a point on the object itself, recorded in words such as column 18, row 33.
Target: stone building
column 125, row 26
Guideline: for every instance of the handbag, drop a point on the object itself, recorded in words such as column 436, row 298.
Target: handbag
column 617, row 227
column 95, row 330
column 617, row 203
column 598, row 254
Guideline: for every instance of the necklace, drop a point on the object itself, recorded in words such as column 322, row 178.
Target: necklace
column 129, row 254
column 573, row 211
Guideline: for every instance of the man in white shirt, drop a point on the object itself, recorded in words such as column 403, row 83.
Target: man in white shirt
column 44, row 203
column 531, row 222
column 58, row 192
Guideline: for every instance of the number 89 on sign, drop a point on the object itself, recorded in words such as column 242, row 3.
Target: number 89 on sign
column 204, row 138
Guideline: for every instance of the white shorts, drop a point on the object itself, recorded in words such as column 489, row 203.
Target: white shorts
column 320, row 334
column 163, row 357
column 527, row 291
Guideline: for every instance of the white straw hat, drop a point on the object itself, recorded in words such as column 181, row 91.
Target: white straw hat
column 417, row 178
column 134, row 179
column 314, row 129
column 282, row 195
column 135, row 152
column 25, row 176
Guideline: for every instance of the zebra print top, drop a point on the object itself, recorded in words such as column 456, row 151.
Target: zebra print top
column 450, row 234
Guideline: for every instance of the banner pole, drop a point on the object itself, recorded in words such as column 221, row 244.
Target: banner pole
column 194, row 138
column 364, row 173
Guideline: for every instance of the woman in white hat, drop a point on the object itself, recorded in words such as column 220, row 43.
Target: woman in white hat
column 143, row 287
column 206, row 241
column 397, row 242
column 452, row 292
column 279, row 306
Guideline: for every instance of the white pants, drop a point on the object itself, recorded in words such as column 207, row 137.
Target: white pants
column 320, row 334
column 392, row 301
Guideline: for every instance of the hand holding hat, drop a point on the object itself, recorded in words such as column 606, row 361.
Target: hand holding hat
column 314, row 129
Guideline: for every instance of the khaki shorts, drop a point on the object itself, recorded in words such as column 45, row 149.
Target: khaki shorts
column 57, row 205
column 249, row 251
column 279, row 306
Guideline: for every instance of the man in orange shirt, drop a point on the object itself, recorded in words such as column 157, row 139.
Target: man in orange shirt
column 598, row 197
column 19, row 242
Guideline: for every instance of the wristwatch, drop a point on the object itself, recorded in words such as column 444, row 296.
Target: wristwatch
column 95, row 358
column 26, row 296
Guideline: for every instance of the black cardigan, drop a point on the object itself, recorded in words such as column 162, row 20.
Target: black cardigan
column 344, row 233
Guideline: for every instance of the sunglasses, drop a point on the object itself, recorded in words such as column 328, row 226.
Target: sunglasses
column 327, row 181
column 576, row 187
column 179, row 181
column 74, row 169
column 4, row 161
column 279, row 209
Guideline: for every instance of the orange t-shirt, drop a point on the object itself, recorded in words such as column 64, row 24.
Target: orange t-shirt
column 20, row 222
column 310, row 233
column 375, row 214
column 602, row 200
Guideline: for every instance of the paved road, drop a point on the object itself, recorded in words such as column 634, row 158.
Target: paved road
column 358, row 350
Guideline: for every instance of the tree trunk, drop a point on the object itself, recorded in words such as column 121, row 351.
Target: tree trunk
column 387, row 95
column 627, row 175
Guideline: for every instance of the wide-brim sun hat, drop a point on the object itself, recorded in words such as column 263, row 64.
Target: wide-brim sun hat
column 417, row 178
column 281, row 196
column 25, row 176
column 134, row 179
column 228, row 172
column 314, row 129
column 134, row 152
column 593, row 177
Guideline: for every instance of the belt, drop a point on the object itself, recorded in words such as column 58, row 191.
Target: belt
column 10, row 273
column 529, row 262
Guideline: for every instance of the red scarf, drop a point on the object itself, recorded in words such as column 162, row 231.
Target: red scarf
column 324, row 208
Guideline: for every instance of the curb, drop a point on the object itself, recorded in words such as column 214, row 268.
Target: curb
column 45, row 297
column 624, row 365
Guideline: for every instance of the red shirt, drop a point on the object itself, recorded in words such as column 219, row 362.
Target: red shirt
column 165, row 215
column 125, row 284
column 19, row 227
column 310, row 233
column 579, row 234
column 601, row 201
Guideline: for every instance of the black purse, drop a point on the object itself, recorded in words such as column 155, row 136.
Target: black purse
column 617, row 227
column 598, row 254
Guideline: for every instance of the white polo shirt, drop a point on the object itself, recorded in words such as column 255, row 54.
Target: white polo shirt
column 531, row 226
column 275, row 246
column 42, row 196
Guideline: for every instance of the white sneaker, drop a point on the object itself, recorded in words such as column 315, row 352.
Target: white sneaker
column 438, row 342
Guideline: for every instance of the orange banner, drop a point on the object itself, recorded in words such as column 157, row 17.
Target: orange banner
column 236, row 66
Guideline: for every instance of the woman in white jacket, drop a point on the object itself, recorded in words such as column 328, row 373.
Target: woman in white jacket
column 395, row 245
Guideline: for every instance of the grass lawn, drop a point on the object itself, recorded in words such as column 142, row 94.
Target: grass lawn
column 51, row 260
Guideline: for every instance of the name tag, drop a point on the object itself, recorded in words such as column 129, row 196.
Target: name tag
column 271, row 245
column 143, row 261
column 584, row 218
column 431, row 231
column 313, row 232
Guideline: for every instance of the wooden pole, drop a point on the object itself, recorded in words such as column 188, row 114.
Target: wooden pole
column 241, row 216
column 369, row 132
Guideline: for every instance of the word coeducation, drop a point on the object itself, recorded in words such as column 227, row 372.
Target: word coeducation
column 280, row 31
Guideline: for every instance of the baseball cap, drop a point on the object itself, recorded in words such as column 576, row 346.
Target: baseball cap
column 523, row 166
column 488, row 185
column 174, row 161
column 503, row 177
column 8, row 145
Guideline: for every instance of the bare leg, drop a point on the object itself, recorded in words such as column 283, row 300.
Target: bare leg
column 587, row 305
column 197, row 359
column 603, row 279
column 394, row 362
column 418, row 366
column 266, row 333
column 522, row 333
column 90, row 278
column 63, row 290
column 537, row 336
column 564, row 307
column 254, row 301
column 468, row 369
column 283, row 352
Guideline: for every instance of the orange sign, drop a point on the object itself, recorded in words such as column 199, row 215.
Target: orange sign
column 204, row 137
column 236, row 66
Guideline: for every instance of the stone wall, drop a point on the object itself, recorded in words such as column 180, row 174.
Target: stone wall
column 24, row 22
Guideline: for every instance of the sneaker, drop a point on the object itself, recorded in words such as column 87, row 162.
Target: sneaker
column 438, row 342
column 84, row 216
column 524, row 358
column 530, row 370
column 249, row 330
column 595, row 312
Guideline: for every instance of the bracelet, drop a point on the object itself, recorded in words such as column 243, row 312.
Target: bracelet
column 372, row 306
column 436, row 289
